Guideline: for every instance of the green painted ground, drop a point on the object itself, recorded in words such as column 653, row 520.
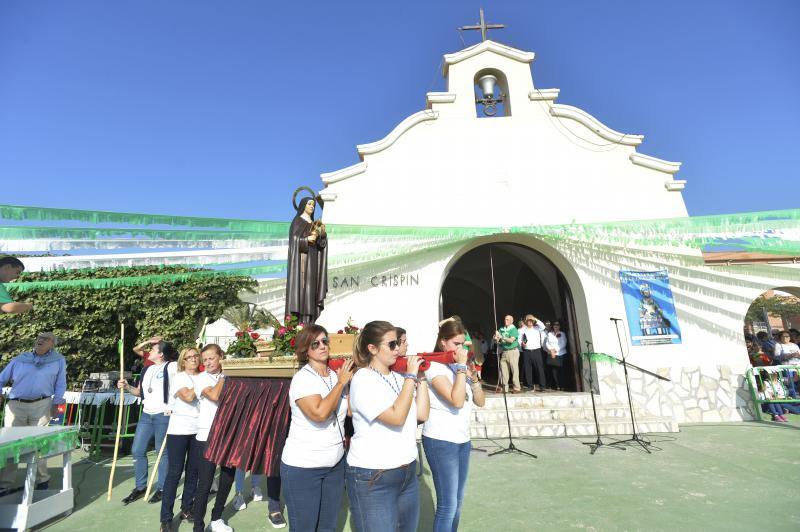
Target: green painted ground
column 708, row 477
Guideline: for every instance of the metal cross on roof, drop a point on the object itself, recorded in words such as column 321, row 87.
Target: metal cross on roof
column 483, row 26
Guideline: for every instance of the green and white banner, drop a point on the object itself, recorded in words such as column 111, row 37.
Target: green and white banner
column 73, row 239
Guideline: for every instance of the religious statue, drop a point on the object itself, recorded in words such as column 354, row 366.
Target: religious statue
column 651, row 319
column 307, row 267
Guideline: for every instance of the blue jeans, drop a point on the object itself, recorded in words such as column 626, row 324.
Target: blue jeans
column 273, row 488
column 149, row 425
column 792, row 408
column 383, row 499
column 449, row 463
column 181, row 450
column 238, row 480
column 313, row 496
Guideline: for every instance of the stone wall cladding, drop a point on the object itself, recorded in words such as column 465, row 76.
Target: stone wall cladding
column 695, row 395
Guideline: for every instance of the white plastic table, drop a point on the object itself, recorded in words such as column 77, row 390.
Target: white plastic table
column 28, row 445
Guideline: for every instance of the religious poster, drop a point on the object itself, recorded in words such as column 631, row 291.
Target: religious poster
column 649, row 307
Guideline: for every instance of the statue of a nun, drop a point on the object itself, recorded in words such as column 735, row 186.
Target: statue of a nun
column 307, row 267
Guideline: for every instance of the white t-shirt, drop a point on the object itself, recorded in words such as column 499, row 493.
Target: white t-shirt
column 446, row 422
column 375, row 445
column 556, row 342
column 183, row 419
column 535, row 336
column 152, row 387
column 787, row 353
column 312, row 444
column 208, row 408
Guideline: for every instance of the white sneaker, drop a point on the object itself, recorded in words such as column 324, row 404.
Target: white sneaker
column 257, row 495
column 220, row 526
column 238, row 502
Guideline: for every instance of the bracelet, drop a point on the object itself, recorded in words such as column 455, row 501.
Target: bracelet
column 411, row 376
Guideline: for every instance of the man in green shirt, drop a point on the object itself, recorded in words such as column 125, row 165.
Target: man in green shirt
column 10, row 268
column 508, row 338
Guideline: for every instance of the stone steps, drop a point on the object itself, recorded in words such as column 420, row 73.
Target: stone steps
column 572, row 428
column 517, row 415
column 540, row 400
column 559, row 414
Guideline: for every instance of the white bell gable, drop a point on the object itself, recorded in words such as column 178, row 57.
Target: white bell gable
column 544, row 163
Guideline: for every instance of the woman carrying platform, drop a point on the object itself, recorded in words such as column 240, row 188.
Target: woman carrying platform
column 381, row 464
column 446, row 435
column 181, row 442
column 312, row 464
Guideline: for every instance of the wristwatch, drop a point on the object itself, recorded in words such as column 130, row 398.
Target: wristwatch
column 461, row 368
column 411, row 376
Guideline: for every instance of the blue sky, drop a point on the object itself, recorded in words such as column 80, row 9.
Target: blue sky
column 191, row 107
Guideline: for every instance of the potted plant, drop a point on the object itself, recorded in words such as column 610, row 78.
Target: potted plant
column 246, row 318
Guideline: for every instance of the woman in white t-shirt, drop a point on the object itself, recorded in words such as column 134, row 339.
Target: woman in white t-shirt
column 181, row 442
column 787, row 352
column 555, row 344
column 153, row 388
column 445, row 436
column 312, row 464
column 380, row 475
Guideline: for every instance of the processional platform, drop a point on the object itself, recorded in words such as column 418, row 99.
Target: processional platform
column 252, row 422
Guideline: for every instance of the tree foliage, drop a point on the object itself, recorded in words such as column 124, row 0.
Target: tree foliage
column 87, row 320
column 246, row 317
column 775, row 306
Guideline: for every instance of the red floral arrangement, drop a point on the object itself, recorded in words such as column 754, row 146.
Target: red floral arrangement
column 244, row 345
column 285, row 336
column 350, row 328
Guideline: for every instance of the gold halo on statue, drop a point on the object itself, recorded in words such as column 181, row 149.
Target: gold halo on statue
column 294, row 196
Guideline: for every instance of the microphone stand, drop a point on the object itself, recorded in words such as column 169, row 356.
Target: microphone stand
column 635, row 439
column 594, row 445
column 511, row 447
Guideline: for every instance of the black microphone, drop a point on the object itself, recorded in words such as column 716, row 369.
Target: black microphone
column 615, row 319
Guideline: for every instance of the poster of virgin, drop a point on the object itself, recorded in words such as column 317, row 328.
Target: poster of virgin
column 649, row 307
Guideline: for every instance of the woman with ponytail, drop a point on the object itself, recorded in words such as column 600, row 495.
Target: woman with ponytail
column 446, row 436
column 381, row 465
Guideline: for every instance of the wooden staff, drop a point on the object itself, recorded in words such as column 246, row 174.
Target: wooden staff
column 155, row 468
column 121, row 408
column 201, row 338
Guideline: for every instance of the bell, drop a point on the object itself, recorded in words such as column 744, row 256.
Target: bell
column 487, row 84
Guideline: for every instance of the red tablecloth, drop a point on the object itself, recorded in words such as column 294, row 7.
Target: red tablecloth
column 251, row 424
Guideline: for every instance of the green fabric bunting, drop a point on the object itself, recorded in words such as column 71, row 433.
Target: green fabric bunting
column 600, row 357
column 43, row 214
column 142, row 280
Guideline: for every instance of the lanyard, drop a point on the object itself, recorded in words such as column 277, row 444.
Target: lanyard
column 396, row 387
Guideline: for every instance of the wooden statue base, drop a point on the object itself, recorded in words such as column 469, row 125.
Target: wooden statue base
column 269, row 363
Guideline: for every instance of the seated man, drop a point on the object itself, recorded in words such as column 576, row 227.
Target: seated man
column 39, row 381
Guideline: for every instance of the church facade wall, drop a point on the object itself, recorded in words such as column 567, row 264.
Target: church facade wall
column 706, row 369
column 545, row 164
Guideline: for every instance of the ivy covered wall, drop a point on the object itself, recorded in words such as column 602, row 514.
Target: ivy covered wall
column 173, row 303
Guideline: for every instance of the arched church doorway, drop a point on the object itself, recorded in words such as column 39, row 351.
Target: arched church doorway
column 526, row 282
column 773, row 318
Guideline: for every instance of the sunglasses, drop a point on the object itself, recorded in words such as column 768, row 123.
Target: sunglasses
column 316, row 343
column 393, row 344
